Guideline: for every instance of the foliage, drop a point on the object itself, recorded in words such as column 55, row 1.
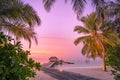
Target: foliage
column 113, row 11
column 14, row 61
column 18, row 19
column 77, row 5
column 95, row 40
column 106, row 9
column 113, row 60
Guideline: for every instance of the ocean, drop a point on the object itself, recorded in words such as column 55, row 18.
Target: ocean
column 83, row 64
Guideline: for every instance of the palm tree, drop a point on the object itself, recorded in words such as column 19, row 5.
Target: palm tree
column 18, row 19
column 96, row 41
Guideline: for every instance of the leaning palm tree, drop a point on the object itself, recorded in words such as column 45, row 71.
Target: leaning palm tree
column 18, row 19
column 96, row 41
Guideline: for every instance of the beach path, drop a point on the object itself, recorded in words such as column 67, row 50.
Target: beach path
column 64, row 75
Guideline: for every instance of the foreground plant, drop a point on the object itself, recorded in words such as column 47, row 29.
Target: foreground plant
column 14, row 61
column 114, row 61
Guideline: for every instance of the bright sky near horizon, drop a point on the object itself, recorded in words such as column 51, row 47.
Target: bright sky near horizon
column 55, row 34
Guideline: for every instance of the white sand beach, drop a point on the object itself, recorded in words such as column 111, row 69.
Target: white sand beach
column 94, row 72
column 42, row 76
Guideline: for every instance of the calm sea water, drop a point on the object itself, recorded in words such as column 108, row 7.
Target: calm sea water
column 83, row 64
column 77, row 62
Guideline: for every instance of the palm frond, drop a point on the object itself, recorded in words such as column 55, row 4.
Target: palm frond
column 17, row 10
column 113, row 9
column 92, row 48
column 83, row 19
column 95, row 48
column 20, row 31
column 91, row 22
column 110, row 38
column 48, row 4
column 78, row 6
column 81, row 39
column 98, row 3
column 30, row 16
column 85, row 49
column 18, row 18
column 81, row 29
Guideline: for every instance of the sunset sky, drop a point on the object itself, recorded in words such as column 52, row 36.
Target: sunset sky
column 55, row 34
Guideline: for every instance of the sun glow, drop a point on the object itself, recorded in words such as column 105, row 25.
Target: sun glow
column 41, row 51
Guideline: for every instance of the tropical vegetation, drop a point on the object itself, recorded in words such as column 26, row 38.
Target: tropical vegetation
column 96, row 41
column 18, row 19
column 77, row 5
column 113, row 60
column 105, row 25
column 113, row 10
column 14, row 61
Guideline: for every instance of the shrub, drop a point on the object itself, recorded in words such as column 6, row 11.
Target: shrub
column 113, row 60
column 14, row 61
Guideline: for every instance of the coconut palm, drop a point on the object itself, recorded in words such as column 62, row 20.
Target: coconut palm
column 18, row 19
column 95, row 40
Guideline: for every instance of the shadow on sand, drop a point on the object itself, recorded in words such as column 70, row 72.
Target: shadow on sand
column 64, row 75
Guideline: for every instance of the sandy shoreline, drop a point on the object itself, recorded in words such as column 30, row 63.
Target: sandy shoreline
column 42, row 76
column 94, row 72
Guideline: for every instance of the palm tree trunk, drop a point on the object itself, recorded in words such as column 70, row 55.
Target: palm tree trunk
column 103, row 62
column 103, row 58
